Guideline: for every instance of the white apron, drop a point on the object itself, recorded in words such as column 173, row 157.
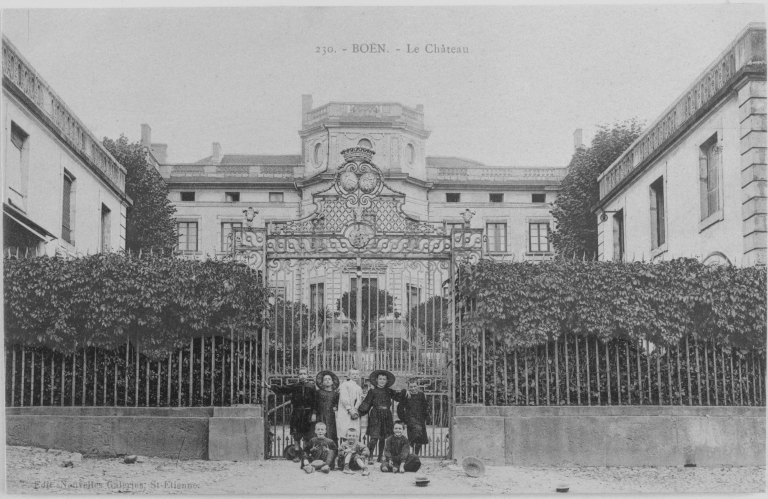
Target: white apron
column 350, row 397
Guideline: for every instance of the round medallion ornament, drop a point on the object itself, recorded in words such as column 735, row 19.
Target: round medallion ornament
column 359, row 234
column 348, row 181
column 368, row 182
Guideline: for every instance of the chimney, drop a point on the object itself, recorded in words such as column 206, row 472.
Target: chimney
column 306, row 105
column 146, row 135
column 577, row 140
column 216, row 156
column 160, row 152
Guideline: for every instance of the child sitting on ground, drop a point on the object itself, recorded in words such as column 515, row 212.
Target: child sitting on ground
column 397, row 453
column 319, row 452
column 352, row 454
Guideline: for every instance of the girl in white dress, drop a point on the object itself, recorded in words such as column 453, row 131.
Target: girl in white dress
column 350, row 398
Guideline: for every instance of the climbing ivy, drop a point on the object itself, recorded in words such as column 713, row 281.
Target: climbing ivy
column 525, row 304
column 105, row 300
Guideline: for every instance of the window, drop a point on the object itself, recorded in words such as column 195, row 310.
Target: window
column 276, row 197
column 453, row 197
column 187, row 196
column 67, row 225
column 231, row 197
column 412, row 296
column 410, row 154
column 106, row 229
column 657, row 214
column 538, row 198
column 227, row 233
column 15, row 176
column 710, row 163
column 318, row 154
column 496, row 198
column 618, row 235
column 538, row 237
column 497, row 237
column 372, row 282
column 316, row 297
column 449, row 226
column 187, row 236
column 365, row 143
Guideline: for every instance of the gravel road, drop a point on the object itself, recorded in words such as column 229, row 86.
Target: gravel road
column 37, row 471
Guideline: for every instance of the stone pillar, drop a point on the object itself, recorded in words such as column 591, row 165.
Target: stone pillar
column 236, row 433
column 754, row 208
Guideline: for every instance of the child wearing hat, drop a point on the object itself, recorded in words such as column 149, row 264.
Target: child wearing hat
column 397, row 453
column 327, row 401
column 377, row 404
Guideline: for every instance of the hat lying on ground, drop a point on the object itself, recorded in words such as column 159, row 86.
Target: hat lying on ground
column 473, row 467
column 422, row 480
column 321, row 375
column 289, row 452
column 375, row 374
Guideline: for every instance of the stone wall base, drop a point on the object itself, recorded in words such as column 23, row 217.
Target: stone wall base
column 611, row 436
column 226, row 433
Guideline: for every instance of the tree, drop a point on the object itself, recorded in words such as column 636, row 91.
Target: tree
column 576, row 231
column 432, row 317
column 376, row 303
column 149, row 222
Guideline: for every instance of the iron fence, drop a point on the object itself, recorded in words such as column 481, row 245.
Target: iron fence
column 584, row 370
column 210, row 371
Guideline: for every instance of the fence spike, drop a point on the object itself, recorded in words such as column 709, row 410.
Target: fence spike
column 17, row 252
column 140, row 252
column 26, row 252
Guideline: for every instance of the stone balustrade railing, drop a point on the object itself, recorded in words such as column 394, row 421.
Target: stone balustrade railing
column 497, row 174
column 257, row 171
column 382, row 111
column 747, row 50
column 20, row 73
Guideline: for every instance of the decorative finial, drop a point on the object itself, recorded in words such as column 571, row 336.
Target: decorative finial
column 467, row 215
column 249, row 213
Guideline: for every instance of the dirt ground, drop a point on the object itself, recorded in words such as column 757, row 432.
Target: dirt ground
column 36, row 471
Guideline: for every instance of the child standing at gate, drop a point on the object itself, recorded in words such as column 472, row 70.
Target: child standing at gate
column 378, row 404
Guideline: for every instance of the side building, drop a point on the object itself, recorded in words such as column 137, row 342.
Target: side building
column 694, row 183
column 63, row 191
column 512, row 204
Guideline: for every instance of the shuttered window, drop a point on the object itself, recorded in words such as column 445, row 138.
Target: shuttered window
column 497, row 237
column 538, row 237
column 658, row 235
column 710, row 165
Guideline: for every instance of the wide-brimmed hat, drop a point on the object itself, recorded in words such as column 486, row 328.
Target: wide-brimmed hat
column 473, row 467
column 321, row 375
column 375, row 374
column 422, row 480
column 289, row 452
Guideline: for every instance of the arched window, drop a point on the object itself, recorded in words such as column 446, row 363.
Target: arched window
column 318, row 157
column 410, row 154
column 365, row 143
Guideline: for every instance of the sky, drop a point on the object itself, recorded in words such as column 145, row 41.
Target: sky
column 532, row 74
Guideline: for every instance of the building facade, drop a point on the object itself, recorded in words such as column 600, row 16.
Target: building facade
column 63, row 191
column 512, row 204
column 694, row 183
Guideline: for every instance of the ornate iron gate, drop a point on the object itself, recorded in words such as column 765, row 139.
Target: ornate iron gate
column 359, row 283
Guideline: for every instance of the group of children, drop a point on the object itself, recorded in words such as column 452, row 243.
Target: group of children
column 319, row 410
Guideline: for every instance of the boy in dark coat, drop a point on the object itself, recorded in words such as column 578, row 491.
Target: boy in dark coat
column 377, row 404
column 413, row 412
column 319, row 452
column 302, row 416
column 397, row 453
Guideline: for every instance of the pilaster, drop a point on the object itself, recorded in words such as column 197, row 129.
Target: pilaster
column 754, row 186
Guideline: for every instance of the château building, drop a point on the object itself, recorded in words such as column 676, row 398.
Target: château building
column 694, row 183
column 63, row 191
column 512, row 204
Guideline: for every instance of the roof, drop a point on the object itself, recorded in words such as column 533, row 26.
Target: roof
column 254, row 159
column 451, row 162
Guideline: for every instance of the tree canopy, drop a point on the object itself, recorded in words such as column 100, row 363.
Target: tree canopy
column 576, row 225
column 149, row 222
